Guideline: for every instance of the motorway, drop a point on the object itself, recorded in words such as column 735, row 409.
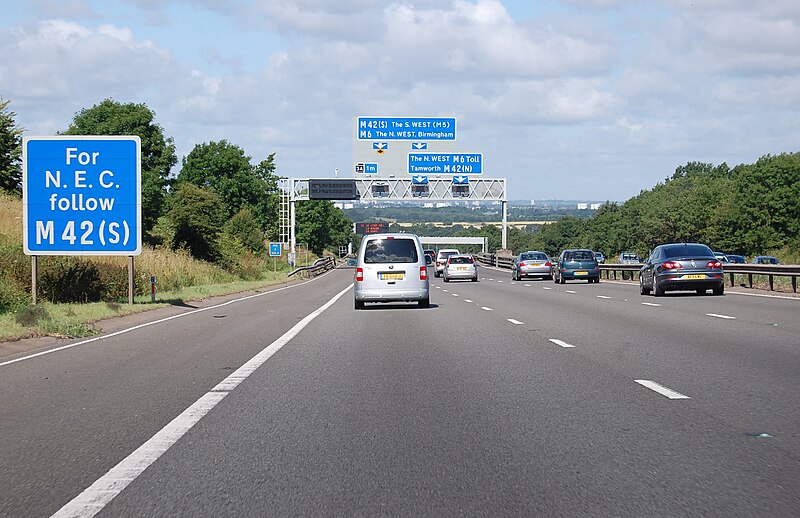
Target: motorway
column 502, row 398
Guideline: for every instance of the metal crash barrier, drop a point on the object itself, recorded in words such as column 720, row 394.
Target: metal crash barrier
column 320, row 266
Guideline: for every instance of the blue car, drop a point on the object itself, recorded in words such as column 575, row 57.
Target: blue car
column 576, row 264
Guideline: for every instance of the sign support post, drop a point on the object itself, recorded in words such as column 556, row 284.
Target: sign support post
column 34, row 268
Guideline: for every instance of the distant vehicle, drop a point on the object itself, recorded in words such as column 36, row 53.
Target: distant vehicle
column 738, row 259
column 431, row 254
column 600, row 257
column 629, row 258
column 766, row 259
column 531, row 264
column 722, row 257
column 441, row 259
column 681, row 266
column 576, row 264
column 391, row 268
column 460, row 266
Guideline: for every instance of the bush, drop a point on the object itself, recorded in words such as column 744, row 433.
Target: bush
column 12, row 298
column 69, row 279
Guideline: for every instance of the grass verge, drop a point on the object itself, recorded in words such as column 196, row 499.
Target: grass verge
column 78, row 320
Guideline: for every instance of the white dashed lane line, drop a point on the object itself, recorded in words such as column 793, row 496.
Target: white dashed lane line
column 546, row 288
column 527, row 285
column 652, row 304
column 485, row 308
column 454, row 294
column 515, row 322
column 561, row 343
column 664, row 391
column 603, row 297
column 571, row 291
column 467, row 300
column 726, row 317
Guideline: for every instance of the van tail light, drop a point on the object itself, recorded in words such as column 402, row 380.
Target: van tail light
column 548, row 263
column 359, row 274
column 423, row 273
column 671, row 265
column 714, row 264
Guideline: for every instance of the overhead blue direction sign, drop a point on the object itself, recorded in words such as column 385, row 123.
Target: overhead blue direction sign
column 419, row 180
column 406, row 128
column 445, row 163
column 81, row 195
column 419, row 145
column 461, row 180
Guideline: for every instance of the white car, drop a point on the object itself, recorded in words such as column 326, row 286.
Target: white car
column 391, row 268
column 460, row 266
column 441, row 259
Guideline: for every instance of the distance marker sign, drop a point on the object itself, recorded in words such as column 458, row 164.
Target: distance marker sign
column 81, row 195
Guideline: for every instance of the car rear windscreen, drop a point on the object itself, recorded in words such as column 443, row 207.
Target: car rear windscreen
column 688, row 251
column 580, row 255
column 391, row 251
column 534, row 257
column 461, row 260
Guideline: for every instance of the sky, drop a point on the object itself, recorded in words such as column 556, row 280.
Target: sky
column 566, row 99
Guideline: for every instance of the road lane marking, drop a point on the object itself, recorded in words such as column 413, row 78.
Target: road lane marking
column 446, row 291
column 499, row 281
column 527, row 285
column 467, row 300
column 603, row 297
column 94, row 498
column 715, row 315
column 571, row 291
column 664, row 391
column 515, row 322
column 653, row 304
column 485, row 308
column 561, row 343
column 546, row 288
column 454, row 294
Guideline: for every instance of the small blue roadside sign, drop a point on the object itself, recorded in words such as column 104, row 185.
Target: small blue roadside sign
column 406, row 128
column 274, row 249
column 380, row 146
column 371, row 168
column 445, row 163
column 82, row 195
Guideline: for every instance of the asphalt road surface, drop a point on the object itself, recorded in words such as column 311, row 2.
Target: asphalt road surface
column 503, row 398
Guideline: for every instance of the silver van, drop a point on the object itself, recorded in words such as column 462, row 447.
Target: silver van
column 391, row 268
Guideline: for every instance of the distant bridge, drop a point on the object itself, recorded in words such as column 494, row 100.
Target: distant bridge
column 475, row 224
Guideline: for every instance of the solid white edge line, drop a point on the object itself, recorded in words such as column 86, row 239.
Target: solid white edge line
column 515, row 322
column 664, row 391
column 715, row 315
column 94, row 498
column 561, row 343
column 154, row 322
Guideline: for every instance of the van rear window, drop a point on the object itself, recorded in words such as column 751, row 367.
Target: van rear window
column 395, row 250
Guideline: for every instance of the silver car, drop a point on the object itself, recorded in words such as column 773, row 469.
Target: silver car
column 460, row 266
column 391, row 268
column 531, row 264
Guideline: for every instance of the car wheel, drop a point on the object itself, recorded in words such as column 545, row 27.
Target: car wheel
column 359, row 304
column 642, row 289
column 700, row 291
column 657, row 291
column 719, row 290
column 475, row 279
column 424, row 303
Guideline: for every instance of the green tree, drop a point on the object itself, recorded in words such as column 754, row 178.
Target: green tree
column 244, row 228
column 158, row 152
column 225, row 168
column 322, row 225
column 10, row 151
column 196, row 218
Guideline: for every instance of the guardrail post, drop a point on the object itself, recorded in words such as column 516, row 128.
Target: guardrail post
column 770, row 283
column 750, row 280
column 794, row 284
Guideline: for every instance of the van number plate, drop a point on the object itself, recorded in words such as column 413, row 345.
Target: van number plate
column 391, row 276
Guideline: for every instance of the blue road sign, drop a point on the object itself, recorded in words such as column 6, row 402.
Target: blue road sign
column 419, row 145
column 380, row 146
column 445, row 163
column 371, row 168
column 274, row 249
column 81, row 195
column 419, row 180
column 406, row 128
column 461, row 180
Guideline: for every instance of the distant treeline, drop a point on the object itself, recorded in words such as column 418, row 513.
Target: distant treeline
column 750, row 209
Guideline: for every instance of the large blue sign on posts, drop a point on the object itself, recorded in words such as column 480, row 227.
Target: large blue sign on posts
column 81, row 195
column 406, row 128
column 445, row 163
